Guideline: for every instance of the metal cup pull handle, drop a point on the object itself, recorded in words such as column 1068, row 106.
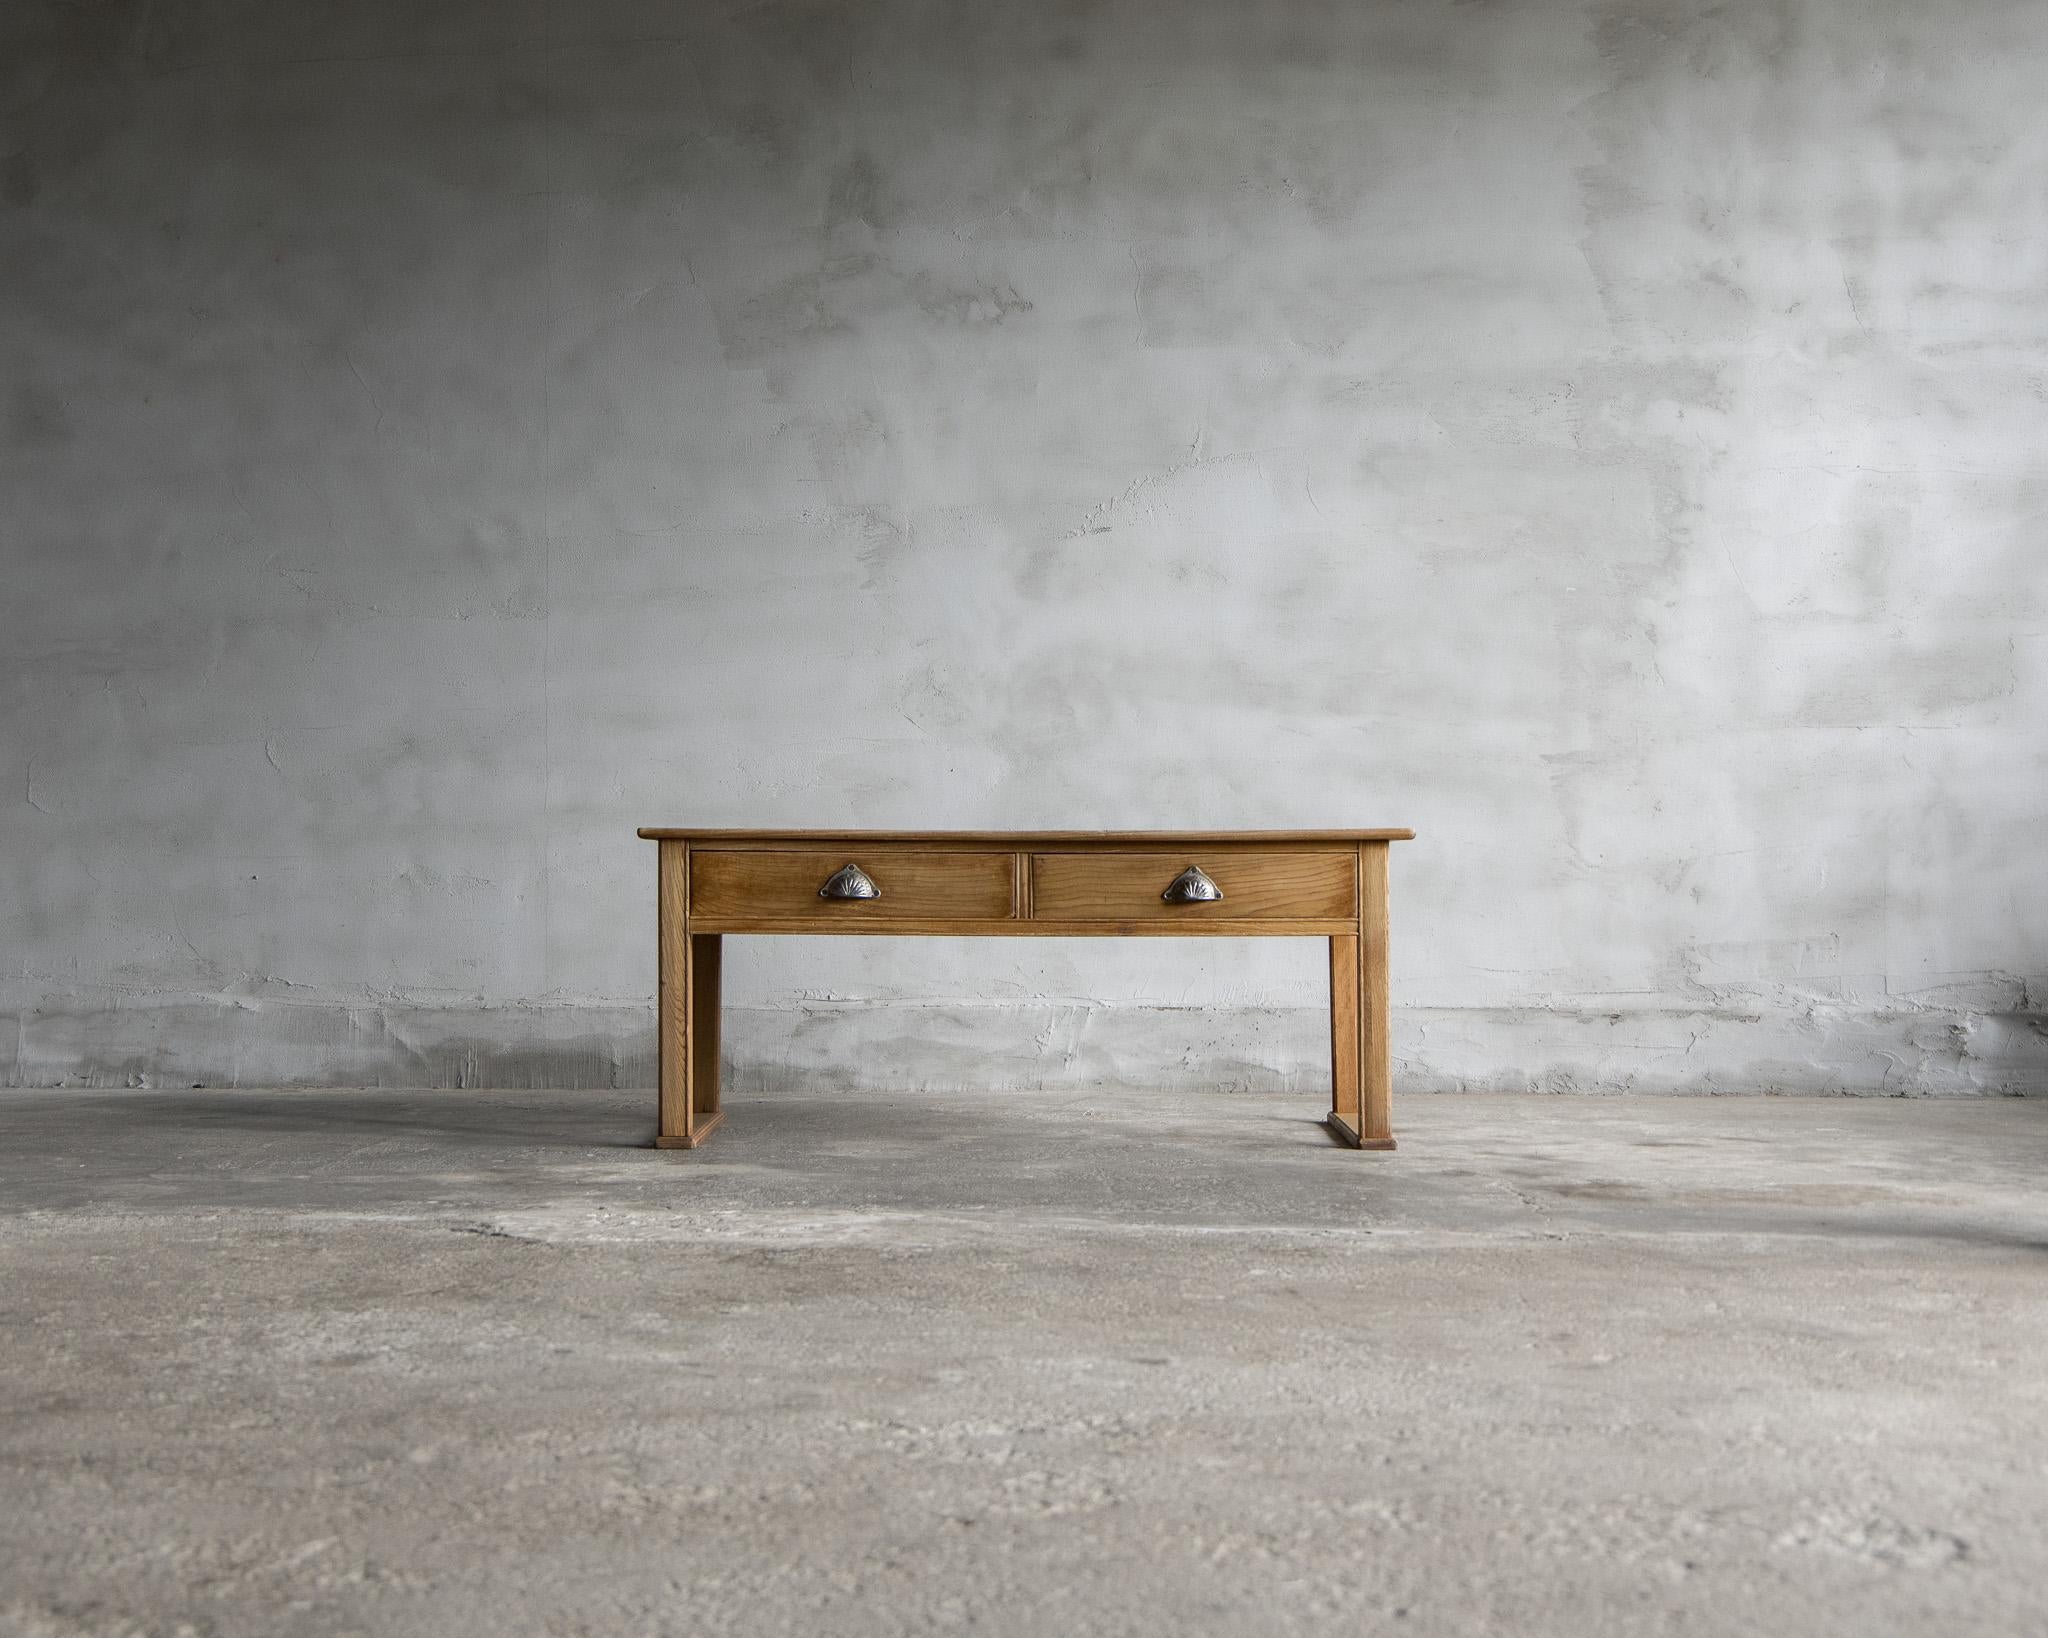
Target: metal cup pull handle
column 850, row 882
column 1193, row 886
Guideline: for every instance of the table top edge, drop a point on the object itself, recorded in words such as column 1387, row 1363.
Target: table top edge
column 1029, row 838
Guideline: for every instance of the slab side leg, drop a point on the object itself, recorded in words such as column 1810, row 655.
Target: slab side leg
column 1345, row 1059
column 1376, row 1036
column 675, row 1128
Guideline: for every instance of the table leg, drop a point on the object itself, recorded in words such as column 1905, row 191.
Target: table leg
column 1361, row 1055
column 686, row 1011
column 1344, row 1047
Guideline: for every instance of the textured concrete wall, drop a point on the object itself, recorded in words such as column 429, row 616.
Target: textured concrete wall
column 1608, row 437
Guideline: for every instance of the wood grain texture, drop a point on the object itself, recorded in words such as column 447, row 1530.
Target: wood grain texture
column 1376, row 1068
column 1257, row 884
column 1348, row 1134
column 1026, row 840
column 1036, row 884
column 695, row 1138
column 1346, row 1059
column 1035, row 927
column 733, row 885
column 672, row 1006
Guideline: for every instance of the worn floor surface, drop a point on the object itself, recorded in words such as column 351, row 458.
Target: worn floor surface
column 476, row 1363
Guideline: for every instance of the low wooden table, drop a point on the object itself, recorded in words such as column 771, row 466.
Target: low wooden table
column 1050, row 884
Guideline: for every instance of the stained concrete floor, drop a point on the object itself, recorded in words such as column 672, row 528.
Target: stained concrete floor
column 476, row 1363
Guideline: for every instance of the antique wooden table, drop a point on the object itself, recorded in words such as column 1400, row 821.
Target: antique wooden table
column 1050, row 884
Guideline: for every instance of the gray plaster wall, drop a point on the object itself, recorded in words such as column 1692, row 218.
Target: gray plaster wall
column 1607, row 437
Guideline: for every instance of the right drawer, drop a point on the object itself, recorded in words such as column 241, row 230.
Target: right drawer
column 1309, row 885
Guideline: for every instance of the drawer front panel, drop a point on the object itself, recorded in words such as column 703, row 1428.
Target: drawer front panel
column 772, row 883
column 1317, row 885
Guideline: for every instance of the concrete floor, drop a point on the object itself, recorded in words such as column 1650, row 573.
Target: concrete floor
column 460, row 1363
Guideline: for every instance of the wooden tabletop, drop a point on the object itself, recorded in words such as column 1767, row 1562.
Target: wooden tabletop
column 1032, row 838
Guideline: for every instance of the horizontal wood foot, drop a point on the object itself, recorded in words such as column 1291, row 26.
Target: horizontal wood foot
column 694, row 1140
column 1349, row 1133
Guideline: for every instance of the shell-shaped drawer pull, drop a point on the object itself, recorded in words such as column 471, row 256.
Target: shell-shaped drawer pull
column 1193, row 886
column 850, row 882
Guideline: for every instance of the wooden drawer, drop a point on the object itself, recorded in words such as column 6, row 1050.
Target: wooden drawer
column 773, row 884
column 1308, row 885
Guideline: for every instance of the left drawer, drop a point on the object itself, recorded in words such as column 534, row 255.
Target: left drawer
column 776, row 885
